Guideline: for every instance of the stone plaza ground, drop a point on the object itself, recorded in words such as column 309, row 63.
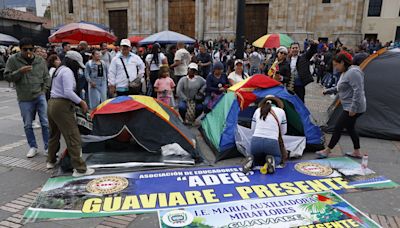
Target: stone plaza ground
column 21, row 178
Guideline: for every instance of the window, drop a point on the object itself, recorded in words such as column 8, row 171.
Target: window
column 70, row 6
column 374, row 8
column 326, row 1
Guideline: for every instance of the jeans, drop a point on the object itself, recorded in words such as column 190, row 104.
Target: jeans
column 28, row 112
column 98, row 94
column 183, row 109
column 300, row 92
column 348, row 122
column 261, row 147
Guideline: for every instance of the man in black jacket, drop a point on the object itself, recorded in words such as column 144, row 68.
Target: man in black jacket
column 300, row 68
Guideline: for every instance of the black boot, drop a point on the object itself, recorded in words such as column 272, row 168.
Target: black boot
column 248, row 164
column 270, row 161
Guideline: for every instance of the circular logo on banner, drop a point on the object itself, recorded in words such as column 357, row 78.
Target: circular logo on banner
column 107, row 185
column 313, row 169
column 177, row 218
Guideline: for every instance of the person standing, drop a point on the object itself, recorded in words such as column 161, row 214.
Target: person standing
column 350, row 89
column 63, row 98
column 255, row 61
column 65, row 47
column 181, row 62
column 204, row 62
column 300, row 68
column 31, row 78
column 279, row 68
column 96, row 71
column 153, row 62
column 125, row 68
column 106, row 56
column 217, row 84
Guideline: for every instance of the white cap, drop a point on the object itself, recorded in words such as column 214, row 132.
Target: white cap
column 125, row 42
column 193, row 66
column 282, row 49
column 74, row 55
column 238, row 61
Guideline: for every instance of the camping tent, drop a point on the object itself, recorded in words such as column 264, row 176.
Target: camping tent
column 381, row 84
column 141, row 121
column 237, row 107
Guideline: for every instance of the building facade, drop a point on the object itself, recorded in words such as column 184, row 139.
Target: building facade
column 382, row 20
column 205, row 19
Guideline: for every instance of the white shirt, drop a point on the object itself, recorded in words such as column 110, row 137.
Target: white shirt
column 237, row 77
column 116, row 74
column 293, row 62
column 184, row 56
column 269, row 128
column 152, row 64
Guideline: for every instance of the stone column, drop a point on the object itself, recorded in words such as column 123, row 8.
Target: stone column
column 200, row 19
column 159, row 15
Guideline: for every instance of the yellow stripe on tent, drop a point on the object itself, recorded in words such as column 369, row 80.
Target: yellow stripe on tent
column 152, row 104
column 238, row 85
column 104, row 104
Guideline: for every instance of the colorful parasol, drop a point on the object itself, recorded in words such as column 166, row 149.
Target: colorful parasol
column 274, row 40
column 75, row 32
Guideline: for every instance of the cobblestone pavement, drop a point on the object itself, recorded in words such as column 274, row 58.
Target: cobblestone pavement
column 21, row 178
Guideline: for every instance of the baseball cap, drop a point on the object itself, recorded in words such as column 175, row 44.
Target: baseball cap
column 74, row 55
column 237, row 61
column 193, row 66
column 125, row 42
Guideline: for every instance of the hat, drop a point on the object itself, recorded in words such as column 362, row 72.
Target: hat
column 237, row 61
column 282, row 49
column 359, row 58
column 218, row 66
column 193, row 66
column 74, row 55
column 125, row 42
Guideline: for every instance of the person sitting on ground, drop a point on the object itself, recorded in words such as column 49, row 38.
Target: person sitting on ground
column 189, row 88
column 238, row 75
column 217, row 85
column 164, row 86
column 268, row 124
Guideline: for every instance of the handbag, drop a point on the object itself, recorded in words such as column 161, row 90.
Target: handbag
column 199, row 97
column 135, row 86
column 284, row 153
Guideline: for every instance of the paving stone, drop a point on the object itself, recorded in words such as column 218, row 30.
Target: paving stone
column 118, row 221
column 10, row 224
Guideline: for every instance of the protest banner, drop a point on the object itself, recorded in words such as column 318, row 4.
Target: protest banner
column 139, row 192
column 318, row 210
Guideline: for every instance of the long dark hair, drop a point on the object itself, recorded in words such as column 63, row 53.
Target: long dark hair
column 265, row 106
column 50, row 61
column 155, row 50
column 74, row 66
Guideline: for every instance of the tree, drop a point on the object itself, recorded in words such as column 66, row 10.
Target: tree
column 47, row 13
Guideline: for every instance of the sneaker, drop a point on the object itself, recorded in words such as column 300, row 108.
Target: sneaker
column 248, row 164
column 88, row 172
column 270, row 163
column 46, row 152
column 32, row 152
column 50, row 165
column 36, row 125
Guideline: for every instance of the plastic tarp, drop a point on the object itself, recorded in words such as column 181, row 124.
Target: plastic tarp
column 294, row 144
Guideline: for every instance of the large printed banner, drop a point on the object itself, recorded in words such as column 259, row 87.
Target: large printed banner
column 318, row 210
column 126, row 193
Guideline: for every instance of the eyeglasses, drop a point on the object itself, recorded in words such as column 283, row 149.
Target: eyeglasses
column 27, row 49
column 283, row 53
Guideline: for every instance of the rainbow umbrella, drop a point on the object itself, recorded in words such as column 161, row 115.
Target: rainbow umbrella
column 274, row 40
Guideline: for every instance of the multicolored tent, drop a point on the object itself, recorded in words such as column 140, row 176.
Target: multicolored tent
column 151, row 123
column 237, row 107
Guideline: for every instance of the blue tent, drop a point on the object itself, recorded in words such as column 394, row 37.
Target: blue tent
column 219, row 126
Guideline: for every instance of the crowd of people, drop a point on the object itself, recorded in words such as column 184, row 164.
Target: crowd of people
column 51, row 82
